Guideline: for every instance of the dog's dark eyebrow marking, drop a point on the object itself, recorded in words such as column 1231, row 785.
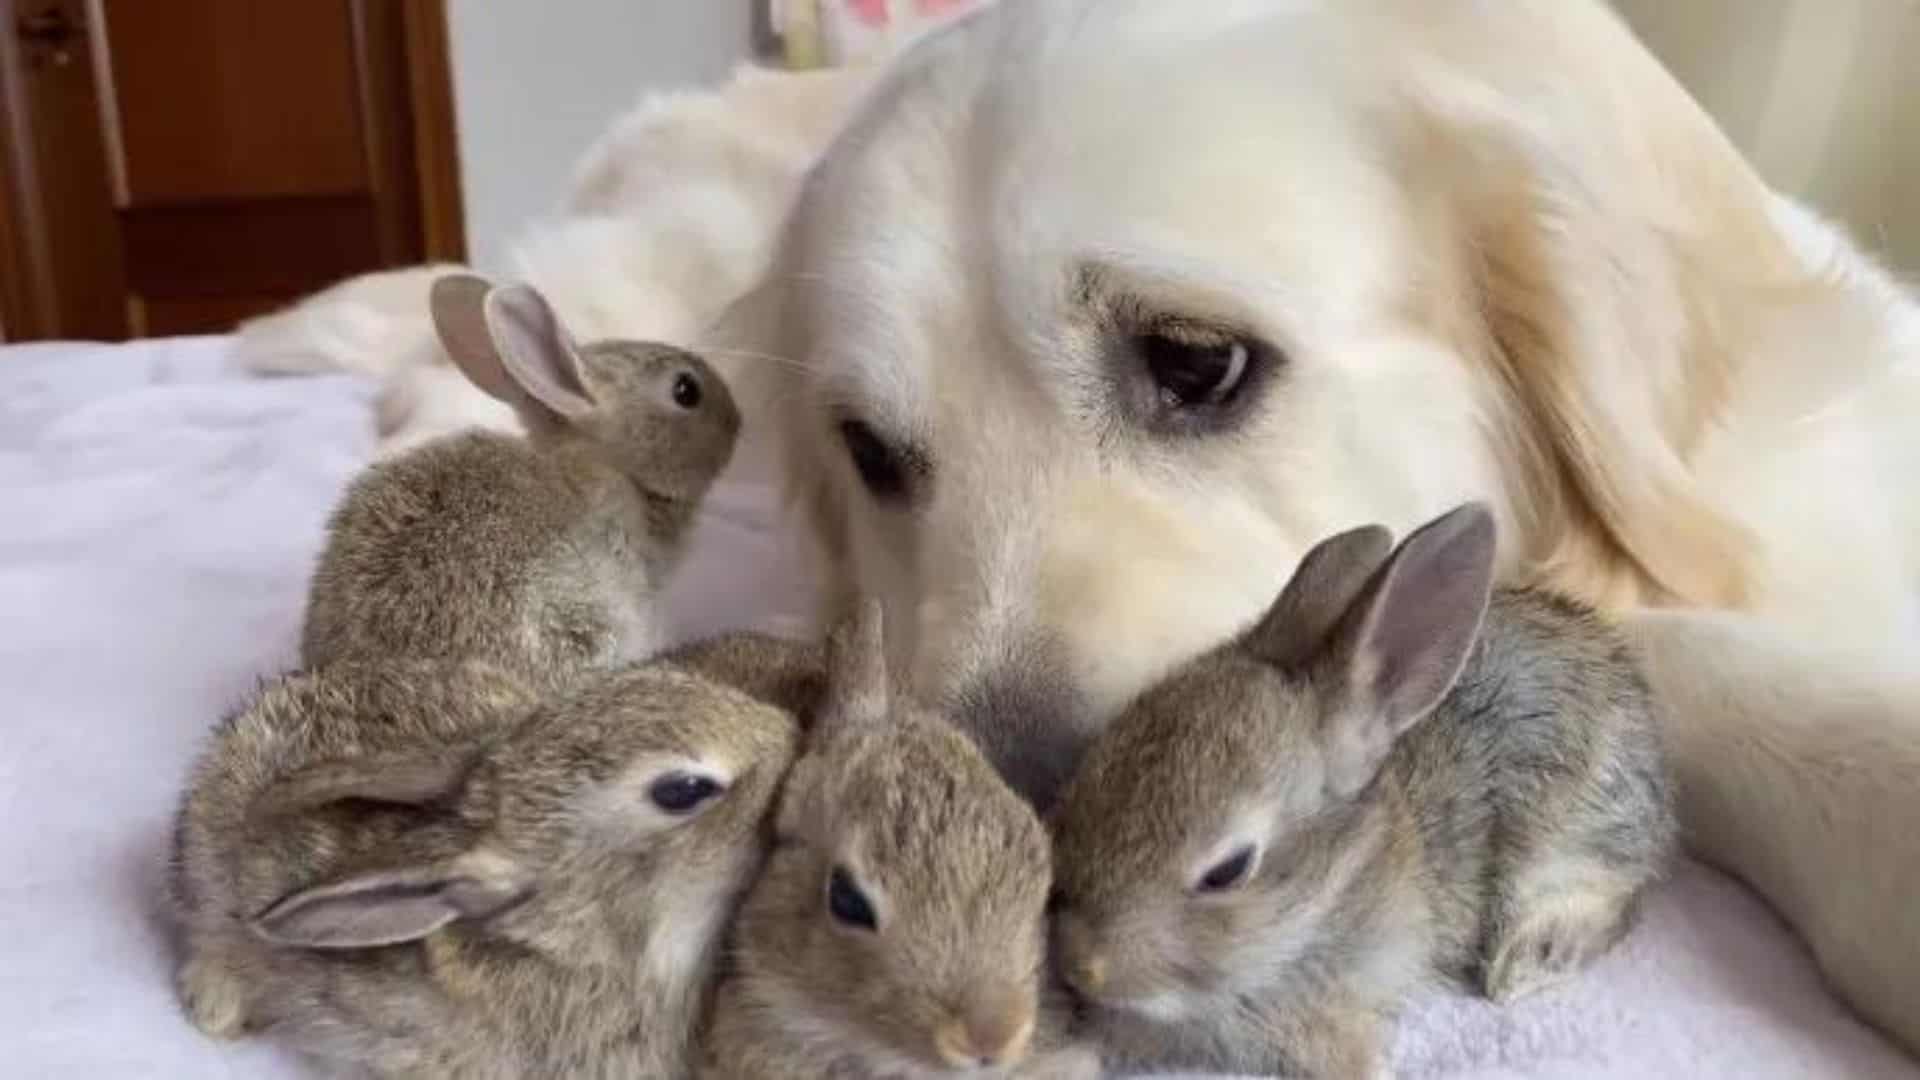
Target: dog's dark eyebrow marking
column 1086, row 286
column 1093, row 292
column 1121, row 298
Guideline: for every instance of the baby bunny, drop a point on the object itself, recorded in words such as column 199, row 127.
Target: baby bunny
column 401, row 869
column 1367, row 791
column 898, row 929
column 545, row 551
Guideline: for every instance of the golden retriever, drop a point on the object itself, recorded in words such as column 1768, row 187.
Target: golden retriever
column 1102, row 311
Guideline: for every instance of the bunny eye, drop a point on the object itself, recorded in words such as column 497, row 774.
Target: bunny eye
column 686, row 391
column 847, row 904
column 1228, row 873
column 682, row 793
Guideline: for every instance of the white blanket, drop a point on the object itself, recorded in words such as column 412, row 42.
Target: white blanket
column 158, row 517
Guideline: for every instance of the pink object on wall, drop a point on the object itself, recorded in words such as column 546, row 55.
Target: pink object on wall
column 874, row 13
column 834, row 32
column 878, row 13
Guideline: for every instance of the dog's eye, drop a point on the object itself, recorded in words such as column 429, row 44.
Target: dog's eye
column 1194, row 369
column 847, row 904
column 1229, row 872
column 880, row 468
column 1184, row 379
column 680, row 793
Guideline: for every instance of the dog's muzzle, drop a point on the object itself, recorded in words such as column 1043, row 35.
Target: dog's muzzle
column 1029, row 720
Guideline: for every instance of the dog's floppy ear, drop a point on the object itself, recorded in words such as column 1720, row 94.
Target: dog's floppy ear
column 1590, row 321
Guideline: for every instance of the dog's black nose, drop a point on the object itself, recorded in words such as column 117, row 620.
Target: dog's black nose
column 1028, row 719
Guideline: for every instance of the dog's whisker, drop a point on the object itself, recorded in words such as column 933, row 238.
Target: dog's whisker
column 786, row 362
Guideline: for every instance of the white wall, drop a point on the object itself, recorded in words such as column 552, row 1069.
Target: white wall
column 1823, row 95
column 536, row 81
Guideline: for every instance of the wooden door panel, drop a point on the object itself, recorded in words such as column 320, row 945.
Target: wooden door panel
column 234, row 99
column 240, row 200
column 189, row 163
column 66, row 241
column 167, row 316
column 240, row 258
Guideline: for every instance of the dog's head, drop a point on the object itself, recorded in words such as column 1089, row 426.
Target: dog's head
column 1107, row 311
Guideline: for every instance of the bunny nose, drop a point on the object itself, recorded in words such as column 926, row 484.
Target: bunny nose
column 994, row 1029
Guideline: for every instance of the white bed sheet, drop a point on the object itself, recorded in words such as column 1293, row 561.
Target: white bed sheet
column 158, row 516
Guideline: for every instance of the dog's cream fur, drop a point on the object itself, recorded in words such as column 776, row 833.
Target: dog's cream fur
column 1506, row 258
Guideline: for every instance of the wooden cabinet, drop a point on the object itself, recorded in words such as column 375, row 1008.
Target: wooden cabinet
column 172, row 166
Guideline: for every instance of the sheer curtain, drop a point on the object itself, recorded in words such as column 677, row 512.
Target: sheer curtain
column 1823, row 95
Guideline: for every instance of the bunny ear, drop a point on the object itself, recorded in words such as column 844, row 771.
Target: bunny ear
column 857, row 690
column 1396, row 653
column 391, row 907
column 537, row 351
column 459, row 306
column 404, row 779
column 510, row 344
column 798, row 798
column 1323, row 588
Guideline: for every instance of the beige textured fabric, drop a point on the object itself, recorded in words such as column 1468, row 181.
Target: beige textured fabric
column 1823, row 95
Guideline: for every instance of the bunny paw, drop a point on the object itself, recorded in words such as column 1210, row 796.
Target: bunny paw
column 1552, row 946
column 215, row 1000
